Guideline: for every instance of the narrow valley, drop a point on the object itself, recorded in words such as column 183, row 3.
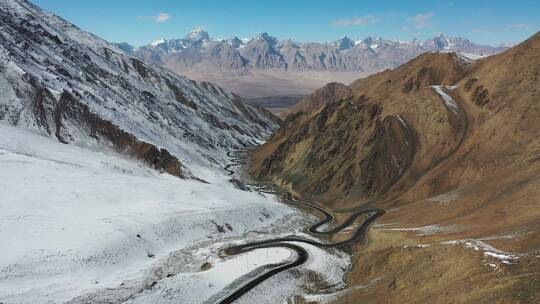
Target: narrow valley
column 358, row 156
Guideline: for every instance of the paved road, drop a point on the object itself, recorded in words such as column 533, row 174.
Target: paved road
column 238, row 158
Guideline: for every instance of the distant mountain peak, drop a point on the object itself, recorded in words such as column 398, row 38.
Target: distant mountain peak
column 371, row 40
column 235, row 42
column 344, row 43
column 198, row 34
column 264, row 36
column 157, row 42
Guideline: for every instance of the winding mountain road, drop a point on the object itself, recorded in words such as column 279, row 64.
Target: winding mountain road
column 238, row 158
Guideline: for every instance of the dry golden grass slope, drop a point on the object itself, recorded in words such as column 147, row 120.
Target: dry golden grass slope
column 456, row 166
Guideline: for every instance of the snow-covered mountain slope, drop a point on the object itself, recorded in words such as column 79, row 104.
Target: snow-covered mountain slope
column 84, row 217
column 73, row 220
column 70, row 84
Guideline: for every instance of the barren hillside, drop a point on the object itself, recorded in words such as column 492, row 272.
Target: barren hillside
column 450, row 148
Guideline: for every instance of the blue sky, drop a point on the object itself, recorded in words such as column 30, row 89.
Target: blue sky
column 140, row 22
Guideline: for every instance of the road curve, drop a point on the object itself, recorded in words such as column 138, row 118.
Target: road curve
column 238, row 158
column 301, row 256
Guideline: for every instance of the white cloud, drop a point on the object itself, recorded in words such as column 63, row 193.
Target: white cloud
column 159, row 18
column 162, row 17
column 361, row 21
column 422, row 21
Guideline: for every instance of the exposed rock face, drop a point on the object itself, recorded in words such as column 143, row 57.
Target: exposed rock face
column 442, row 42
column 321, row 157
column 66, row 83
column 69, row 112
column 261, row 53
column 344, row 43
column 226, row 56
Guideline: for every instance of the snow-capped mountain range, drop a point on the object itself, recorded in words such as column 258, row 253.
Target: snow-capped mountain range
column 69, row 84
column 198, row 49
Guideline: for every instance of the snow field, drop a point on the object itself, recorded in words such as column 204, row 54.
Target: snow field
column 76, row 220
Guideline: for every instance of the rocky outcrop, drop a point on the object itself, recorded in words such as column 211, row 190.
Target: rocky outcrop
column 480, row 95
column 320, row 156
column 69, row 114
column 261, row 53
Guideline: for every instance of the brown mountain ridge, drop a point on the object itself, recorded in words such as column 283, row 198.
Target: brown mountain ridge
column 331, row 92
column 450, row 147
